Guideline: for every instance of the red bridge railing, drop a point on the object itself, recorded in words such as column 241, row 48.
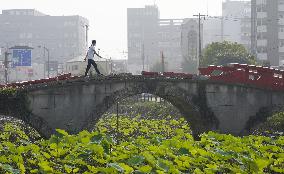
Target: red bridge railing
column 234, row 73
column 40, row 81
column 246, row 74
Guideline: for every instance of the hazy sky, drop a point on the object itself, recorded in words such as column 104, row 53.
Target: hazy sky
column 108, row 18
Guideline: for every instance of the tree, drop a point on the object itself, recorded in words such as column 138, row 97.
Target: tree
column 222, row 53
column 265, row 63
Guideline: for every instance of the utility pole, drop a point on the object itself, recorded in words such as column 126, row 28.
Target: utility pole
column 6, row 63
column 47, row 61
column 199, row 35
column 45, row 49
column 147, row 60
column 87, row 29
column 143, row 56
column 110, row 65
column 117, row 123
column 222, row 28
column 163, row 62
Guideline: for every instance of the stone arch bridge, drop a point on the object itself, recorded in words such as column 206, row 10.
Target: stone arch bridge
column 77, row 104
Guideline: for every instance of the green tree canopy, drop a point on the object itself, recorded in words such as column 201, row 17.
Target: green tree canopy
column 222, row 53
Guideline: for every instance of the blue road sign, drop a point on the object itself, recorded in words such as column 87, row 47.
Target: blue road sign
column 22, row 57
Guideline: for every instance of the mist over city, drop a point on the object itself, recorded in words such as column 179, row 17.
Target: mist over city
column 66, row 32
column 141, row 86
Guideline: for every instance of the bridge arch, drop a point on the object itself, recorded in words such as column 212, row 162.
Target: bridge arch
column 175, row 95
column 35, row 124
column 207, row 105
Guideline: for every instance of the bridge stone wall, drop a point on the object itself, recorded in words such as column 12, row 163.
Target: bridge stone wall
column 79, row 106
column 206, row 105
column 238, row 108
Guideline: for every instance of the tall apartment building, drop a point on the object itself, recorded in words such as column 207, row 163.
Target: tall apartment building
column 236, row 22
column 64, row 36
column 268, row 30
column 142, row 29
column 148, row 36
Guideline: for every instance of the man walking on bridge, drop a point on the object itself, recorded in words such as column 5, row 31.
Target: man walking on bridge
column 90, row 55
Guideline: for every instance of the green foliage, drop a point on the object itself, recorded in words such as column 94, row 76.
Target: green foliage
column 147, row 109
column 7, row 91
column 16, row 102
column 133, row 128
column 275, row 123
column 222, row 53
column 265, row 63
column 17, row 129
column 96, row 152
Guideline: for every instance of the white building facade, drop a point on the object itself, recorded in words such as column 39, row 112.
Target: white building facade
column 268, row 31
column 236, row 22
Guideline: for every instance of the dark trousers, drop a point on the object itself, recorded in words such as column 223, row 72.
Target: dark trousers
column 91, row 62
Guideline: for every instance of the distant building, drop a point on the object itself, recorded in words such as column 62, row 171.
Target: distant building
column 190, row 43
column 212, row 30
column 148, row 36
column 268, row 30
column 77, row 66
column 142, row 29
column 169, row 42
column 236, row 22
column 119, row 66
column 64, row 36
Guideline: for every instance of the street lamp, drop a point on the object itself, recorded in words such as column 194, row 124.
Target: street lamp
column 6, row 63
column 110, row 65
column 44, row 48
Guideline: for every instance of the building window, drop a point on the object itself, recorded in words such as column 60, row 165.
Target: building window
column 29, row 35
column 25, row 35
column 261, row 49
column 281, row 43
column 66, row 35
column 281, row 57
column 74, row 67
column 261, row 2
column 22, row 35
column 69, row 23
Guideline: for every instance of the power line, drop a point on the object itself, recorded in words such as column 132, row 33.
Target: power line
column 238, row 18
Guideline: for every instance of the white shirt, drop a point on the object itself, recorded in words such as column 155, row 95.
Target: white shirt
column 91, row 52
